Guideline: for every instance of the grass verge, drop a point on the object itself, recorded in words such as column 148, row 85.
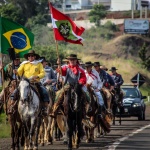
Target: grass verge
column 4, row 127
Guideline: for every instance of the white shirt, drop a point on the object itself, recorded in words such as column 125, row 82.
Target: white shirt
column 94, row 79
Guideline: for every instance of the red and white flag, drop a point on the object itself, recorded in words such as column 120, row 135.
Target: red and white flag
column 64, row 28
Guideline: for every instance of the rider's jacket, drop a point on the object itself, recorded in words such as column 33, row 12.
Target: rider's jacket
column 106, row 78
column 117, row 79
column 8, row 70
column 49, row 75
column 29, row 69
column 73, row 74
column 94, row 79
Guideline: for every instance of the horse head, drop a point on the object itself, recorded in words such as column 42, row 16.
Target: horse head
column 24, row 89
column 75, row 96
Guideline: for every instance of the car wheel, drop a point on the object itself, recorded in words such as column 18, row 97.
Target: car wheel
column 144, row 116
column 140, row 117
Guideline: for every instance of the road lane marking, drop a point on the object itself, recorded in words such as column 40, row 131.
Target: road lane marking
column 116, row 144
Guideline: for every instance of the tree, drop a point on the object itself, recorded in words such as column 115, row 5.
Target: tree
column 143, row 55
column 24, row 11
column 97, row 13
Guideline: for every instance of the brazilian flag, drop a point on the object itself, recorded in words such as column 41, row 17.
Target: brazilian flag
column 16, row 36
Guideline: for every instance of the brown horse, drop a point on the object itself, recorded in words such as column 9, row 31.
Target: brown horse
column 13, row 118
column 47, row 125
column 94, row 119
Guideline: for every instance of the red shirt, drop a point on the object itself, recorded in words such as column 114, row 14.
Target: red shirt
column 75, row 69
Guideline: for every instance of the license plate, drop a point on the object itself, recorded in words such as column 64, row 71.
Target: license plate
column 126, row 110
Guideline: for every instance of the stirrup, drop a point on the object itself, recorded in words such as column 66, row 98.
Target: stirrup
column 109, row 111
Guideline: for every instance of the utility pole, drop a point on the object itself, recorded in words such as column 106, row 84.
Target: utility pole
column 133, row 4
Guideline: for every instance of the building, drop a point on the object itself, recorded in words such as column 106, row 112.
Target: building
column 65, row 5
column 125, row 5
column 121, row 5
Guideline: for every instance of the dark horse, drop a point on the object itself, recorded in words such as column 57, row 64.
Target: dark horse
column 73, row 111
column 117, row 104
column 13, row 117
column 98, row 121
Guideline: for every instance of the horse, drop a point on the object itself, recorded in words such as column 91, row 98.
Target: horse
column 73, row 106
column 95, row 122
column 117, row 104
column 13, row 118
column 29, row 110
column 46, row 128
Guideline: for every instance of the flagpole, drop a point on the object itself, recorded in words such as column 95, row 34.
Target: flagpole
column 2, row 71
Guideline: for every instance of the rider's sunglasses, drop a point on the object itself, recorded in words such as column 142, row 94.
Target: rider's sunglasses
column 30, row 55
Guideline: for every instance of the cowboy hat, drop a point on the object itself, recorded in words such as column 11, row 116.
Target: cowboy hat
column 33, row 53
column 113, row 68
column 96, row 64
column 87, row 64
column 43, row 59
column 72, row 56
column 104, row 68
column 17, row 56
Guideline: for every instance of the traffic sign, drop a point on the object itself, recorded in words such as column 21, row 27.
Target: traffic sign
column 138, row 79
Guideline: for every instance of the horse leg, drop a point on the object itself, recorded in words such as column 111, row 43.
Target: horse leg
column 41, row 128
column 45, row 128
column 70, row 133
column 38, row 123
column 120, row 116
column 12, row 124
column 79, row 130
column 26, row 144
column 31, row 132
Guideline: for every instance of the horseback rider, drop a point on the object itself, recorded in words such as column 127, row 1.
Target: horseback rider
column 33, row 69
column 50, row 77
column 118, row 80
column 94, row 80
column 108, row 83
column 73, row 73
column 10, row 73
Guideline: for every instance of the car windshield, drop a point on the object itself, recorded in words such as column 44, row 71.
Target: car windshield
column 131, row 92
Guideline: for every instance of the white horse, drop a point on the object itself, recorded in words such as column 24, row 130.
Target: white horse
column 29, row 108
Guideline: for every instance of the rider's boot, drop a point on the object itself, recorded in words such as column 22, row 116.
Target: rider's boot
column 45, row 109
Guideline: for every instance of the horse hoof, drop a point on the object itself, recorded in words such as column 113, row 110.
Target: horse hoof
column 41, row 144
column 65, row 142
column 49, row 143
column 17, row 148
column 76, row 146
column 30, row 148
column 12, row 148
column 35, row 148
column 87, row 141
column 25, row 148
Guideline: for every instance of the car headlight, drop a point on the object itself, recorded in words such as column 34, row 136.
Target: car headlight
column 136, row 104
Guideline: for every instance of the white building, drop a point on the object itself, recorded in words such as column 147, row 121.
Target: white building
column 122, row 5
column 79, row 4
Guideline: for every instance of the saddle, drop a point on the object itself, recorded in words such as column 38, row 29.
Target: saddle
column 36, row 88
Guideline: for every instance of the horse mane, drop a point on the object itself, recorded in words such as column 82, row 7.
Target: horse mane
column 26, row 79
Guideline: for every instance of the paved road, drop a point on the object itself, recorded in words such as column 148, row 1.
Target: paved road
column 139, row 140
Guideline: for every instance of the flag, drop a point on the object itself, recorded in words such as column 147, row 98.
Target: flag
column 64, row 28
column 15, row 36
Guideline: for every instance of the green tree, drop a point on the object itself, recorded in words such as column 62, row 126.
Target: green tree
column 12, row 12
column 22, row 11
column 143, row 55
column 97, row 13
